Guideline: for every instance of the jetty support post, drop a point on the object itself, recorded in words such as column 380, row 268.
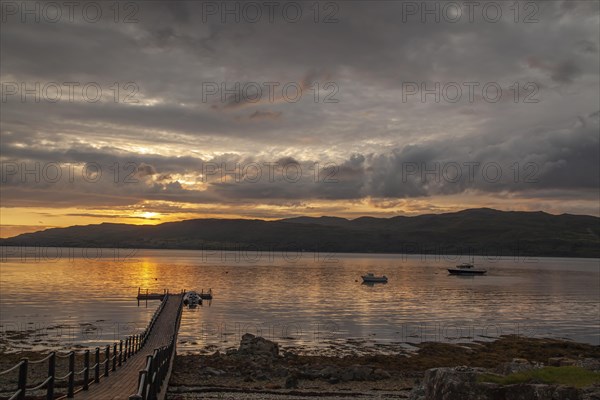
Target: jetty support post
column 120, row 352
column 97, row 366
column 125, row 349
column 23, row 379
column 114, row 358
column 86, row 370
column 51, row 375
column 71, row 381
column 106, row 360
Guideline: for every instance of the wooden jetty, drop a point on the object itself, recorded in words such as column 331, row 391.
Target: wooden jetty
column 206, row 296
column 133, row 369
column 151, row 296
column 147, row 295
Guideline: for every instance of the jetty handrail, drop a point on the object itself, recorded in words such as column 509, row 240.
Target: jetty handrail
column 11, row 368
column 157, row 365
column 42, row 360
column 41, row 385
column 122, row 350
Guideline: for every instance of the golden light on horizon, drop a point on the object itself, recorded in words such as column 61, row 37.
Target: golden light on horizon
column 18, row 220
column 148, row 214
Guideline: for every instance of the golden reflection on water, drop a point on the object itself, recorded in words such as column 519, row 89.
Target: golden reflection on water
column 148, row 274
column 300, row 298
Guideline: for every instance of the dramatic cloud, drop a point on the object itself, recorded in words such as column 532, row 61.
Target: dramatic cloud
column 184, row 109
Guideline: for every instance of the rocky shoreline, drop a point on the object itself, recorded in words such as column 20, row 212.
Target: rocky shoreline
column 259, row 370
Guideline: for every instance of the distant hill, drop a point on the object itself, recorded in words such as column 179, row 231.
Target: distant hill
column 476, row 231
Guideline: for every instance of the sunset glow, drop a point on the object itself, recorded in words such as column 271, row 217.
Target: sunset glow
column 285, row 199
column 215, row 140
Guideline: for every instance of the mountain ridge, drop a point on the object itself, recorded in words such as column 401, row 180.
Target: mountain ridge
column 472, row 231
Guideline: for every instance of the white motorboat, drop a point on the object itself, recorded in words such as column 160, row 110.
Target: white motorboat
column 192, row 299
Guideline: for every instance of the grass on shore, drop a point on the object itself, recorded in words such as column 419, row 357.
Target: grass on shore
column 570, row 376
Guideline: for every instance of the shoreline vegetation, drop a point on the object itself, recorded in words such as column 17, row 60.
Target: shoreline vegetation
column 259, row 369
column 497, row 233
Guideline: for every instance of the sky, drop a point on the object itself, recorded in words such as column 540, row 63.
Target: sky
column 147, row 112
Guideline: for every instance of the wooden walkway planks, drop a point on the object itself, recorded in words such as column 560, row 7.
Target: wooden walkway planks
column 124, row 381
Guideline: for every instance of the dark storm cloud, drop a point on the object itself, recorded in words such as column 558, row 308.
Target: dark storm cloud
column 546, row 160
column 563, row 72
column 372, row 138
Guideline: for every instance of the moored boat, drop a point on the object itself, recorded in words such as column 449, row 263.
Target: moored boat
column 466, row 269
column 192, row 299
column 371, row 278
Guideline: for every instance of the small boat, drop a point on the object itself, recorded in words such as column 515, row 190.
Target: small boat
column 466, row 269
column 192, row 299
column 370, row 278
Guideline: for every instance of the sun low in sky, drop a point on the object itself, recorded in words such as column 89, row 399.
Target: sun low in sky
column 171, row 110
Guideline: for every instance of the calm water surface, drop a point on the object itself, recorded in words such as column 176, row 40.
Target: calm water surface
column 307, row 300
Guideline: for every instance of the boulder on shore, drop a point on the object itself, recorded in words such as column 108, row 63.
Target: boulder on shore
column 462, row 383
column 255, row 345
